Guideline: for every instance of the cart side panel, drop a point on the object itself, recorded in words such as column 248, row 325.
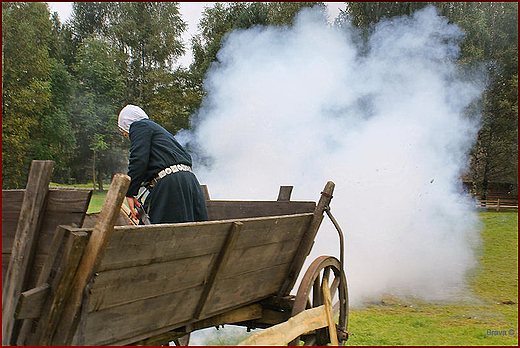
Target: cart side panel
column 223, row 210
column 11, row 205
column 154, row 277
column 256, row 269
column 63, row 207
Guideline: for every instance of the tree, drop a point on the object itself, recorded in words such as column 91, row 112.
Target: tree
column 97, row 95
column 149, row 35
column 222, row 18
column 495, row 155
column 492, row 40
column 26, row 89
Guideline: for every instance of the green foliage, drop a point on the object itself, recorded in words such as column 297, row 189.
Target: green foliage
column 26, row 90
column 97, row 97
column 491, row 41
column 64, row 84
column 222, row 18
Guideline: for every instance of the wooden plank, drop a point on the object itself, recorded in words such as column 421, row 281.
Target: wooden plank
column 73, row 249
column 246, row 288
column 220, row 263
column 159, row 337
column 23, row 246
column 115, row 324
column 285, row 194
column 43, row 279
column 51, row 220
column 122, row 286
column 92, row 256
column 31, row 302
column 246, row 260
column 11, row 205
column 132, row 246
column 308, row 240
column 281, row 334
column 70, row 201
column 62, row 207
column 225, row 210
column 205, row 192
column 329, row 313
column 139, row 245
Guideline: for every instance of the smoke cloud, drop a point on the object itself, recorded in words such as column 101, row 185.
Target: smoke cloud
column 385, row 121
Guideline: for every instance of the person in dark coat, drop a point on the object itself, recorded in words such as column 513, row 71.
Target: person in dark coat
column 156, row 157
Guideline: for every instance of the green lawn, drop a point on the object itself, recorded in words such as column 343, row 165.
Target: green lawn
column 494, row 307
column 96, row 202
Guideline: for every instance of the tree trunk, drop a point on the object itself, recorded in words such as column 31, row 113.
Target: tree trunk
column 100, row 179
column 94, row 171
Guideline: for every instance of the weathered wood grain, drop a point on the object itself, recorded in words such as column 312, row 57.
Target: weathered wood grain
column 140, row 245
column 24, row 241
column 92, row 256
column 66, row 207
column 308, row 239
column 73, row 249
column 223, row 210
column 114, row 324
column 188, row 266
column 122, row 286
column 285, row 194
column 284, row 333
column 31, row 302
column 220, row 263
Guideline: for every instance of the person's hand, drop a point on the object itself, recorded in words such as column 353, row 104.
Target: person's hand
column 132, row 203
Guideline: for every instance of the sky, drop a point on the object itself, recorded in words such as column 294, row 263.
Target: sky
column 190, row 11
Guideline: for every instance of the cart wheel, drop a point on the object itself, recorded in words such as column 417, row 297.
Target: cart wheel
column 310, row 295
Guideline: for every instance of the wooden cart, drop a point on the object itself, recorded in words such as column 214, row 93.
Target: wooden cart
column 149, row 285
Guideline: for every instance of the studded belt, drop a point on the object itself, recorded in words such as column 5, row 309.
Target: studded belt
column 169, row 170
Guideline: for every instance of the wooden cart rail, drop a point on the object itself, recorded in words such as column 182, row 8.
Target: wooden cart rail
column 120, row 285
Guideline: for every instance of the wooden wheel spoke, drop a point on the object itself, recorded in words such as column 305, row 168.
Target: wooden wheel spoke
column 313, row 284
column 334, row 287
column 317, row 298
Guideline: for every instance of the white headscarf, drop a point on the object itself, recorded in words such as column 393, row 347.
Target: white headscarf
column 128, row 115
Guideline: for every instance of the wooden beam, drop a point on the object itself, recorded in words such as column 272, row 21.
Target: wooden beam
column 205, row 191
column 31, row 302
column 72, row 251
column 285, row 194
column 308, row 239
column 92, row 257
column 281, row 334
column 329, row 314
column 250, row 312
column 219, row 264
column 43, row 280
column 24, row 242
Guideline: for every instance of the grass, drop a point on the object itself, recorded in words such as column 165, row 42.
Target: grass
column 96, row 202
column 494, row 284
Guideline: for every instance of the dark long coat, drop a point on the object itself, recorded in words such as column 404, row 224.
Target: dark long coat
column 177, row 197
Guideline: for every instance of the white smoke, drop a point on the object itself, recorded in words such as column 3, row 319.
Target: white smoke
column 303, row 105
